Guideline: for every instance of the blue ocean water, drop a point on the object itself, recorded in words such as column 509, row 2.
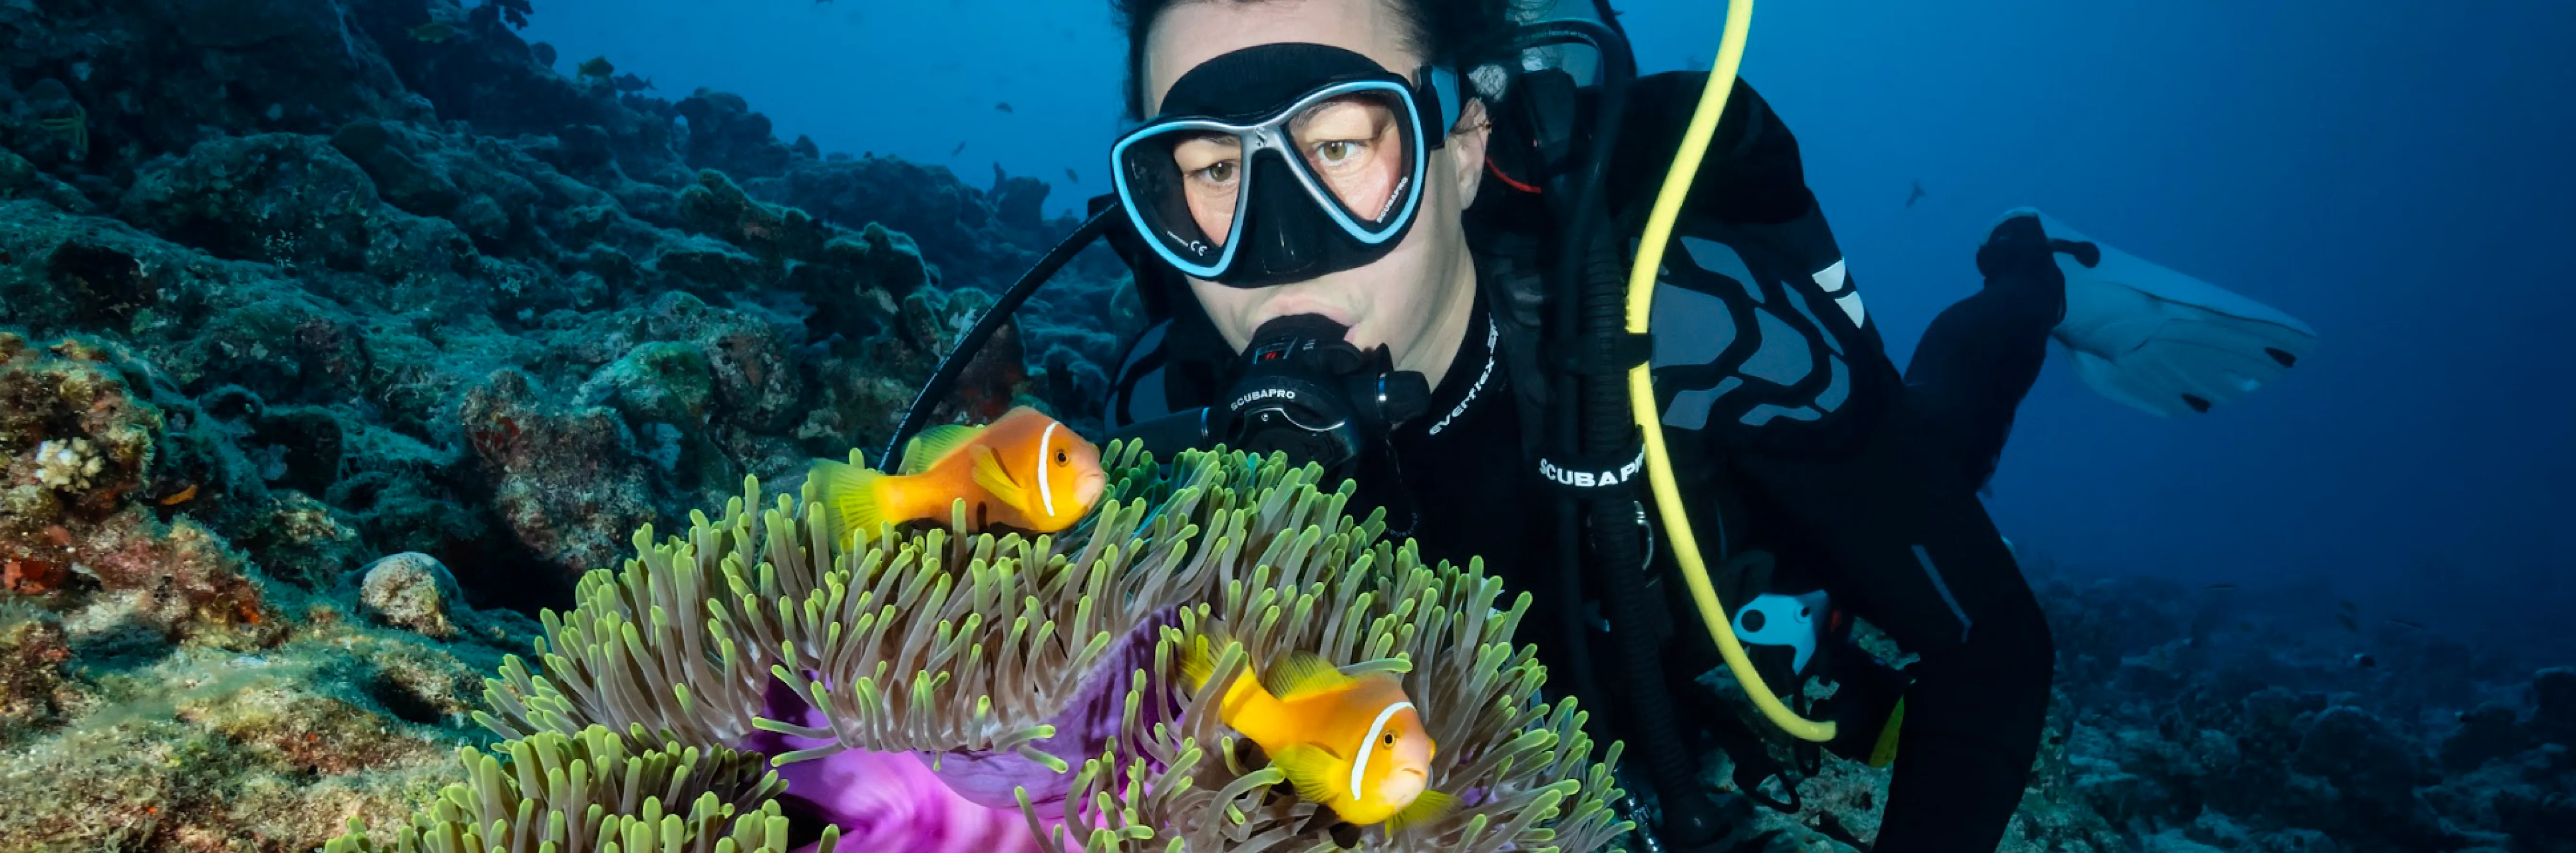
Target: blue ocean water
column 2394, row 174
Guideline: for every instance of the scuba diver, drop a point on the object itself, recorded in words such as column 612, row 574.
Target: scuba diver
column 1380, row 236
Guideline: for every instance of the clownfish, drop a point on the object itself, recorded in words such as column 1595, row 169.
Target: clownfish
column 1356, row 746
column 1024, row 470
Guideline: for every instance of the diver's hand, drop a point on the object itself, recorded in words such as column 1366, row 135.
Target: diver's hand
column 2020, row 250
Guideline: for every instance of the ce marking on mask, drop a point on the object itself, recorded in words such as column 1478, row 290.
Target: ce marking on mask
column 1196, row 248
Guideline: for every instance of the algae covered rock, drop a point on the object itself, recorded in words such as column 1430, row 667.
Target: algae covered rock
column 412, row 591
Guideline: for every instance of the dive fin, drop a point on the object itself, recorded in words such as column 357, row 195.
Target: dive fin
column 1311, row 770
column 1431, row 805
column 935, row 444
column 1301, row 673
column 989, row 474
column 1883, row 753
column 851, row 493
column 2161, row 341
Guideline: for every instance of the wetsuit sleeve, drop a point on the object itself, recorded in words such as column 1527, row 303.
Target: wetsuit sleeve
column 1921, row 560
column 1751, row 173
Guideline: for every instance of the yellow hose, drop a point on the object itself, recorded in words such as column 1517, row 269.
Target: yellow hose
column 1641, row 383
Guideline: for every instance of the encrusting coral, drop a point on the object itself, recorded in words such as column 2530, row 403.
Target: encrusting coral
column 1038, row 677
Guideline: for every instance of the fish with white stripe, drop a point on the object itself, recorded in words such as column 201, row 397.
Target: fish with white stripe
column 1025, row 471
column 1356, row 746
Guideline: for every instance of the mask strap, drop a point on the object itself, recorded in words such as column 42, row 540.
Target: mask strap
column 1443, row 83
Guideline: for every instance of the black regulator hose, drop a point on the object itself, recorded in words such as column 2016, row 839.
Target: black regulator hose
column 963, row 354
column 1594, row 419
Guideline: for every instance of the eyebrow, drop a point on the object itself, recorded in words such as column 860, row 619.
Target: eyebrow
column 1226, row 139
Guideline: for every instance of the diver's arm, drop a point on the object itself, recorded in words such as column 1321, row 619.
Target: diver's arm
column 1923, row 562
column 1751, row 172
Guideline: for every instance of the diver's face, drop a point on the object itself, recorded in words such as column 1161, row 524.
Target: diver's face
column 1417, row 299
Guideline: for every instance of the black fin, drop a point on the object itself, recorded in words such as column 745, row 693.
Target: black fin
column 2285, row 359
column 2084, row 253
column 2196, row 403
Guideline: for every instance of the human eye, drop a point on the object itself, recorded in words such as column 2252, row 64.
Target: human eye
column 1220, row 173
column 1340, row 152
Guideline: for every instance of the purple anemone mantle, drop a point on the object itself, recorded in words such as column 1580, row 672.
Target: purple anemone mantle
column 898, row 801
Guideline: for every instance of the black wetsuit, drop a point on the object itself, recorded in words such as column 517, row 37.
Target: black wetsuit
column 1792, row 432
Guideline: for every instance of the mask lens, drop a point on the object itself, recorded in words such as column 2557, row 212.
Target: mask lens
column 1184, row 185
column 1360, row 150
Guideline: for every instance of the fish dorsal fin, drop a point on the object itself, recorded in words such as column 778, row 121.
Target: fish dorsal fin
column 1312, row 770
column 1301, row 673
column 934, row 444
column 990, row 475
column 1430, row 806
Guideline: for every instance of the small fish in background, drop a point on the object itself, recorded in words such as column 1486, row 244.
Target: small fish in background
column 2221, row 587
column 2348, row 623
column 1070, row 176
column 631, row 83
column 432, row 32
column 2364, row 661
column 1356, row 746
column 1917, row 195
column 596, row 67
column 961, row 149
column 1024, row 470
column 2407, row 623
column 1004, row 106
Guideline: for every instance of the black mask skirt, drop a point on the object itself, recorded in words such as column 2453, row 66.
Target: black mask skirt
column 1283, row 162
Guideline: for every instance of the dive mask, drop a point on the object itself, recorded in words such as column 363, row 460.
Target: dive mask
column 1283, row 162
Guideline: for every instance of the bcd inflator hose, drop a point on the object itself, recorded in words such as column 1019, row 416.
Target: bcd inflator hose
column 1641, row 387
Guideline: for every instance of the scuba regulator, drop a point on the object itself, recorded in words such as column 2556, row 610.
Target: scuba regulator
column 1302, row 390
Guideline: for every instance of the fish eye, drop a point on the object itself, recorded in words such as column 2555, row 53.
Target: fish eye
column 1061, row 458
column 1390, row 738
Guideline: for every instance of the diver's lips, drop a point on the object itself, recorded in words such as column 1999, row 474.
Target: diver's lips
column 1293, row 306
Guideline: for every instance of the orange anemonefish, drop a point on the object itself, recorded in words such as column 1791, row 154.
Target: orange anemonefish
column 1024, row 470
column 1354, row 745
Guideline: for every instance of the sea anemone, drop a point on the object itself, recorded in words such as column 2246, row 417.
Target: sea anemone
column 1037, row 677
column 597, row 790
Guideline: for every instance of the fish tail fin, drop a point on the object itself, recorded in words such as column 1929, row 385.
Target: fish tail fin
column 851, row 494
column 1197, row 662
column 1430, row 806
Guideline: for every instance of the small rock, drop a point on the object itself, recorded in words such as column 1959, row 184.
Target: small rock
column 2553, row 716
column 2485, row 734
column 413, row 592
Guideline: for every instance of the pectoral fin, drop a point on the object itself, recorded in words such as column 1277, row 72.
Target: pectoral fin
column 990, row 475
column 1430, row 806
column 1312, row 771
